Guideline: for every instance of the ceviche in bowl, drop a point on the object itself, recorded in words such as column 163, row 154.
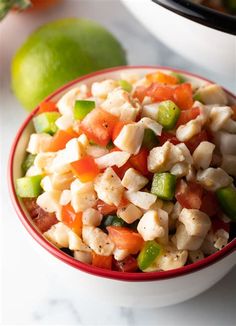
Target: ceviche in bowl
column 129, row 173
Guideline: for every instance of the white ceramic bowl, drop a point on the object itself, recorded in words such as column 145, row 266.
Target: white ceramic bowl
column 205, row 46
column 124, row 289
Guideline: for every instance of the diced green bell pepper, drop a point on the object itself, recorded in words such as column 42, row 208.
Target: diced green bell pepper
column 45, row 122
column 197, row 97
column 28, row 162
column 125, row 85
column 113, row 220
column 163, row 185
column 29, row 187
column 148, row 254
column 149, row 139
column 168, row 114
column 82, row 108
column 181, row 78
column 110, row 145
column 227, row 200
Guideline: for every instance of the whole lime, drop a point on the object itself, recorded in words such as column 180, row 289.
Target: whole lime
column 59, row 52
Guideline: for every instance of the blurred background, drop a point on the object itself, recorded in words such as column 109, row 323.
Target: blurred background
column 31, row 294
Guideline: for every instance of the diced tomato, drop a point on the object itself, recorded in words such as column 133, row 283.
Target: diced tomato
column 189, row 195
column 123, row 202
column 44, row 221
column 121, row 171
column 193, row 143
column 129, row 264
column 85, row 169
column 160, row 93
column 117, row 129
column 183, row 96
column 233, row 107
column 72, row 219
column 104, row 208
column 160, row 77
column 32, row 207
column 187, row 115
column 125, row 238
column 47, row 107
column 59, row 140
column 139, row 161
column 104, row 262
column 210, row 136
column 98, row 125
column 209, row 204
column 166, row 136
column 115, row 149
column 218, row 224
column 140, row 93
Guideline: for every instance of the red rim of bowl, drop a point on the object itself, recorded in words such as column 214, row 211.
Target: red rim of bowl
column 151, row 276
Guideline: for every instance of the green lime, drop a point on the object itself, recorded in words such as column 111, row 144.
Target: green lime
column 59, row 52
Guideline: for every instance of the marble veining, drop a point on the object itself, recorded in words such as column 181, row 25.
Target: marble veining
column 50, row 310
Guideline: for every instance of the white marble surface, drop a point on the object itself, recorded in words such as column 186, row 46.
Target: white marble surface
column 31, row 294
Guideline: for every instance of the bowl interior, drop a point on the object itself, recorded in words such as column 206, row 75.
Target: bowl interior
column 18, row 153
